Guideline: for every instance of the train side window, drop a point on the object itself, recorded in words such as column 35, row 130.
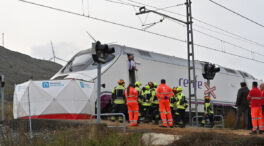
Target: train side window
column 242, row 74
column 230, row 71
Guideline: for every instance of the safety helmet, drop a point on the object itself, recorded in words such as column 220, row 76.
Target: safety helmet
column 138, row 84
column 207, row 98
column 121, row 82
column 155, row 85
column 174, row 89
column 179, row 89
column 147, row 87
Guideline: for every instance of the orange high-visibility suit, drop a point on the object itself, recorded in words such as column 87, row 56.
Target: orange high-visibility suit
column 262, row 108
column 164, row 93
column 132, row 105
column 256, row 110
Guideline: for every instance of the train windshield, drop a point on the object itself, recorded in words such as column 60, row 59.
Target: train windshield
column 83, row 61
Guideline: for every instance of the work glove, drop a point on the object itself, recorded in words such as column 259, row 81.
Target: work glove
column 166, row 97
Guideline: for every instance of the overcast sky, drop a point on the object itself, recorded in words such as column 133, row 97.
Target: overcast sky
column 29, row 29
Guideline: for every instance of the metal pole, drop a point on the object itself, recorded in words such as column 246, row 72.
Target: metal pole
column 29, row 112
column 98, row 93
column 3, row 102
column 211, row 102
column 2, row 82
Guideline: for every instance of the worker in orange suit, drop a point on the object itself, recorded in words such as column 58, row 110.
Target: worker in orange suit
column 132, row 104
column 164, row 93
column 262, row 92
column 255, row 98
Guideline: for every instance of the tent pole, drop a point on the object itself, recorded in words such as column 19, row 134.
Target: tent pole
column 29, row 111
column 98, row 92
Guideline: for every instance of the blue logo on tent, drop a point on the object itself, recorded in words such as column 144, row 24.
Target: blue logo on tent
column 82, row 84
column 45, row 84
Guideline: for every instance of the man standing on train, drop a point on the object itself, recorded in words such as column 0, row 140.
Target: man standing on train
column 256, row 110
column 132, row 68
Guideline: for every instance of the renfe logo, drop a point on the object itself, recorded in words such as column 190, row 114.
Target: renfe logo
column 45, row 84
column 185, row 83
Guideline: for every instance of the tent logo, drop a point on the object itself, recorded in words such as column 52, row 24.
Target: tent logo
column 82, row 84
column 45, row 84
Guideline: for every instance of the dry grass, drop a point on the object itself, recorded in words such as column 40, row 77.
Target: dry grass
column 8, row 110
column 95, row 135
column 230, row 120
column 211, row 138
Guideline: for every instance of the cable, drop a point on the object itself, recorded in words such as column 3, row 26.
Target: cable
column 236, row 13
column 123, row 3
column 206, row 23
column 156, row 8
column 103, row 20
column 134, row 28
column 223, row 41
column 234, row 45
column 232, row 54
column 82, row 7
column 177, row 5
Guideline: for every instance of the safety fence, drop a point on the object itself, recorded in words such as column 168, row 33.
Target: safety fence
column 218, row 123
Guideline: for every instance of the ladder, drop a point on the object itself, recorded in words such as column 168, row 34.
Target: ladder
column 191, row 63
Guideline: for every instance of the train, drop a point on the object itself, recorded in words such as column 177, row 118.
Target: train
column 153, row 67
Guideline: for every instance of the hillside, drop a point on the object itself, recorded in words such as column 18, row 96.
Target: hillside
column 18, row 68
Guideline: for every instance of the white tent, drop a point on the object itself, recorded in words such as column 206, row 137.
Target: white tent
column 56, row 99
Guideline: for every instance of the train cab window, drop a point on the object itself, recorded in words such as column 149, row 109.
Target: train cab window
column 83, row 61
column 246, row 75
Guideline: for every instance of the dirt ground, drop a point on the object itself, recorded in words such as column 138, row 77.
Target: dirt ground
column 144, row 127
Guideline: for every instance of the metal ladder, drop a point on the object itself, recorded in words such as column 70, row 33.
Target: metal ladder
column 191, row 63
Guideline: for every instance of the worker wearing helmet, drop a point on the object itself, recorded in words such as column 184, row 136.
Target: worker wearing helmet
column 164, row 93
column 173, row 104
column 146, row 104
column 140, row 98
column 181, row 106
column 156, row 85
column 154, row 103
column 208, row 112
column 118, row 100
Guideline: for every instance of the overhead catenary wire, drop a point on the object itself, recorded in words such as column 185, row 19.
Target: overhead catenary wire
column 205, row 23
column 238, row 14
column 229, row 53
column 134, row 28
column 234, row 45
column 223, row 41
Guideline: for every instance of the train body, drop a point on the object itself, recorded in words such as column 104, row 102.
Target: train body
column 153, row 67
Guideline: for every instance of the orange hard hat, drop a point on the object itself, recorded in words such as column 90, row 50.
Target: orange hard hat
column 207, row 97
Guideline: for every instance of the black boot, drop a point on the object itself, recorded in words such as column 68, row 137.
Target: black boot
column 253, row 132
column 260, row 131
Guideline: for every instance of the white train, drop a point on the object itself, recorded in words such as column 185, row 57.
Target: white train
column 153, row 67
